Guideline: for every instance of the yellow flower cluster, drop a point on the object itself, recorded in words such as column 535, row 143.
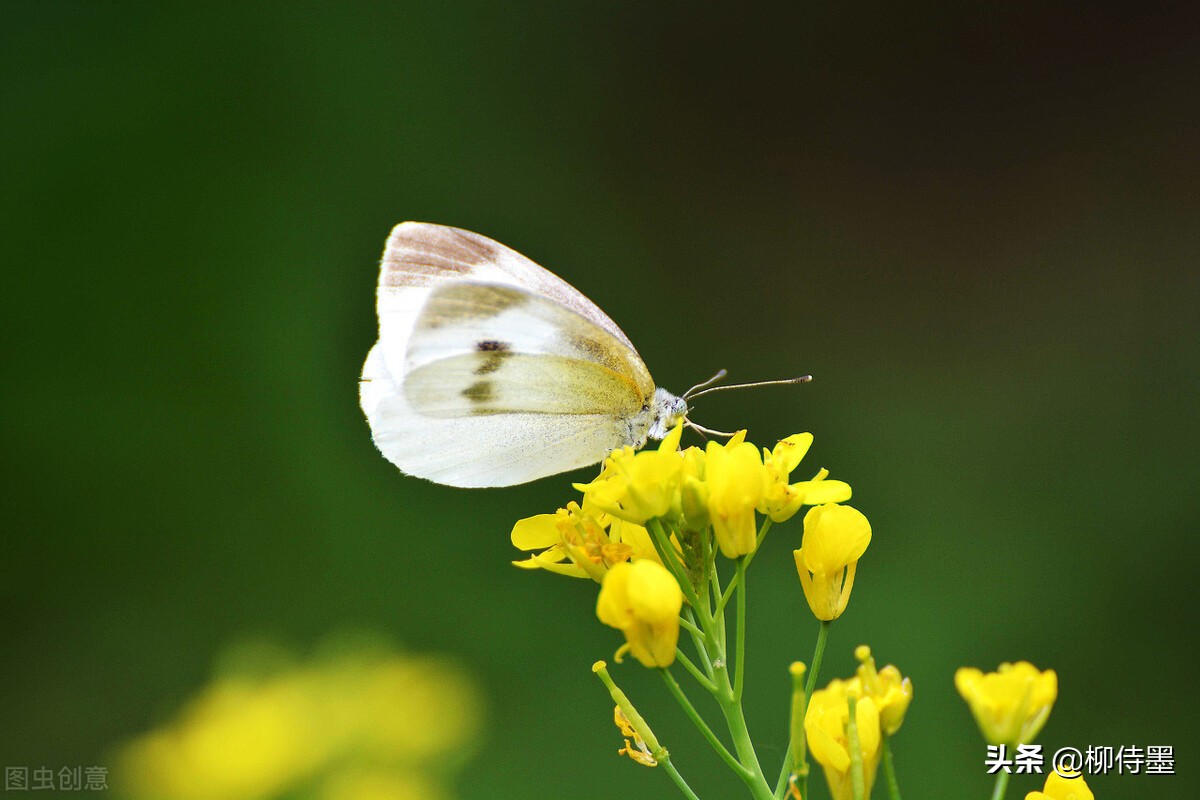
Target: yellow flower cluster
column 881, row 699
column 363, row 723
column 717, row 491
column 722, row 485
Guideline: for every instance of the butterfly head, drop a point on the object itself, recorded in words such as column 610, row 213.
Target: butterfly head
column 667, row 411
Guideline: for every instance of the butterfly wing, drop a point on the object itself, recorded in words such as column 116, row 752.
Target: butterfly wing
column 491, row 371
column 420, row 256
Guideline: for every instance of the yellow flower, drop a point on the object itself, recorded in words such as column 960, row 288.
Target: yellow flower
column 1059, row 787
column 580, row 544
column 642, row 600
column 780, row 500
column 835, row 537
column 819, row 491
column 891, row 692
column 693, row 491
column 540, row 532
column 1010, row 705
column 826, row 728
column 638, row 486
column 735, row 478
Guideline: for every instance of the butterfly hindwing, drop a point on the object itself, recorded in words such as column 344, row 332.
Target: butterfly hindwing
column 481, row 450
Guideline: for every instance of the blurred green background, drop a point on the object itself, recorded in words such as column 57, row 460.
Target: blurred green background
column 975, row 224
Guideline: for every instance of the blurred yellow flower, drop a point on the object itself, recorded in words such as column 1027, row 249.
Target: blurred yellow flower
column 835, row 537
column 891, row 692
column 1059, row 787
column 1010, row 705
column 642, row 599
column 735, row 477
column 350, row 784
column 826, row 729
column 267, row 733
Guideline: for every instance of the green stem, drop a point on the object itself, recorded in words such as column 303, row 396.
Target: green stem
column 735, row 720
column 670, row 559
column 800, row 765
column 710, row 562
column 712, row 645
column 713, row 587
column 690, row 626
column 698, row 641
column 720, row 616
column 730, row 704
column 889, row 770
column 701, row 725
column 1001, row 785
column 762, row 534
column 665, row 763
column 695, row 671
column 740, row 657
column 856, row 763
column 818, row 654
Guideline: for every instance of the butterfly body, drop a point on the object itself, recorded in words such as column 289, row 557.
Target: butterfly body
column 492, row 371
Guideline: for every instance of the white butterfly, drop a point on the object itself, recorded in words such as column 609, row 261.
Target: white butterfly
column 491, row 371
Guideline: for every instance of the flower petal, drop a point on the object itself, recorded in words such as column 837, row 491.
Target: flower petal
column 536, row 532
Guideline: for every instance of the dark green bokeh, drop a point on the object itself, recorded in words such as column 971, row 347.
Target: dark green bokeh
column 976, row 226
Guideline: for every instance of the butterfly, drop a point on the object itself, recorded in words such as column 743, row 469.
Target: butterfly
column 492, row 371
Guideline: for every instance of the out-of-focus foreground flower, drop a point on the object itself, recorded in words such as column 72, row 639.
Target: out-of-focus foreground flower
column 360, row 722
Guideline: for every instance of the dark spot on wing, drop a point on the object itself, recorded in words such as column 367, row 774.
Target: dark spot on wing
column 480, row 392
column 494, row 353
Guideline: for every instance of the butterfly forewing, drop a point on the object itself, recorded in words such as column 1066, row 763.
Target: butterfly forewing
column 423, row 255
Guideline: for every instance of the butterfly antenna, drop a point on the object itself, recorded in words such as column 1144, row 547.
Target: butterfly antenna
column 801, row 379
column 703, row 430
column 720, row 374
